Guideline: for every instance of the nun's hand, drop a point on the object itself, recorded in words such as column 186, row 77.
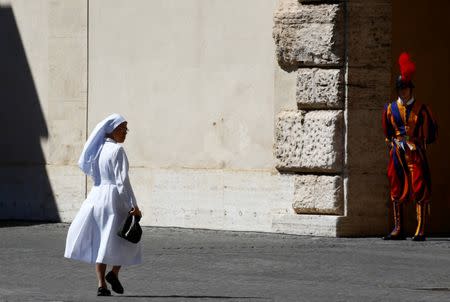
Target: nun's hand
column 136, row 212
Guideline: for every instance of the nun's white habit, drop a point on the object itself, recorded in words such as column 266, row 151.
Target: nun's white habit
column 92, row 236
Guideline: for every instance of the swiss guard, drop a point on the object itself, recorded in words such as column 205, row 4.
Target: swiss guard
column 408, row 127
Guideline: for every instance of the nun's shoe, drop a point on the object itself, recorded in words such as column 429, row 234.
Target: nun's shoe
column 114, row 281
column 103, row 291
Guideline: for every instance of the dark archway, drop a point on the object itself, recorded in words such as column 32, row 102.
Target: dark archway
column 422, row 28
column 25, row 190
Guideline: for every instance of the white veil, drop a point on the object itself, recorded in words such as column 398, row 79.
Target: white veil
column 88, row 161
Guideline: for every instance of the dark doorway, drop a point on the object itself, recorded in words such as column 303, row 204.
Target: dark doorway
column 25, row 190
column 423, row 29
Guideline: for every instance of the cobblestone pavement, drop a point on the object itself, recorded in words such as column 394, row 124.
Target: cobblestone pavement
column 201, row 265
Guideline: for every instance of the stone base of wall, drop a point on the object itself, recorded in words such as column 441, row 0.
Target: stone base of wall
column 330, row 225
column 40, row 192
column 308, row 225
column 207, row 198
column 358, row 226
column 258, row 201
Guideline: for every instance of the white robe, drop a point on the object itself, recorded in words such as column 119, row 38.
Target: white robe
column 92, row 236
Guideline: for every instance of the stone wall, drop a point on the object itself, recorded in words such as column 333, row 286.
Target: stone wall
column 195, row 79
column 309, row 139
column 44, row 101
column 339, row 53
column 219, row 137
column 368, row 89
column 196, row 89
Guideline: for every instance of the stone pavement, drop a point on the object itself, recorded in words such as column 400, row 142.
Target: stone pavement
column 202, row 265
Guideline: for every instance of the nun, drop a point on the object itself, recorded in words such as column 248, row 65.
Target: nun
column 92, row 236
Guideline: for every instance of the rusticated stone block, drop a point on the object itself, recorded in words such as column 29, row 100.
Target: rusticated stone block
column 309, row 141
column 308, row 35
column 318, row 194
column 320, row 88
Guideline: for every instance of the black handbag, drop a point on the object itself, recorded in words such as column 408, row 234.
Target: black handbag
column 131, row 229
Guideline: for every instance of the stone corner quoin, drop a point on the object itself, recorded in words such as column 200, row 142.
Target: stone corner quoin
column 318, row 194
column 309, row 141
column 320, row 88
column 309, row 35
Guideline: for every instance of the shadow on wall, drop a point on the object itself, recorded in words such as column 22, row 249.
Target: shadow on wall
column 25, row 190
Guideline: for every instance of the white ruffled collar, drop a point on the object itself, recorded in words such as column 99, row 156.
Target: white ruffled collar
column 411, row 100
column 110, row 140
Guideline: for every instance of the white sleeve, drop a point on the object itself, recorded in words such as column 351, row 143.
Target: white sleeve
column 122, row 180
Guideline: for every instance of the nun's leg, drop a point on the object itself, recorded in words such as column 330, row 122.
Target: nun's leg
column 100, row 269
column 116, row 269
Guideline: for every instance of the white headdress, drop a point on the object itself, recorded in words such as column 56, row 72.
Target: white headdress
column 88, row 161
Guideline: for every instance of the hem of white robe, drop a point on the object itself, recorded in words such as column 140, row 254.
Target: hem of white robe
column 104, row 261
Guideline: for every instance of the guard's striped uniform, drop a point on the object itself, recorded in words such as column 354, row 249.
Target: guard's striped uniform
column 408, row 129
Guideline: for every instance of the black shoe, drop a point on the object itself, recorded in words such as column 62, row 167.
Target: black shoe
column 394, row 237
column 114, row 281
column 103, row 291
column 418, row 238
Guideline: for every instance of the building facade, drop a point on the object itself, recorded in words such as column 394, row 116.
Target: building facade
column 247, row 115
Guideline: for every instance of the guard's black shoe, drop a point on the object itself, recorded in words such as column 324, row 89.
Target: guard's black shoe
column 395, row 237
column 114, row 281
column 103, row 291
column 418, row 238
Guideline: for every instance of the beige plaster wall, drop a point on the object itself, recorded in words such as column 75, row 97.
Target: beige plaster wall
column 194, row 78
column 44, row 69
